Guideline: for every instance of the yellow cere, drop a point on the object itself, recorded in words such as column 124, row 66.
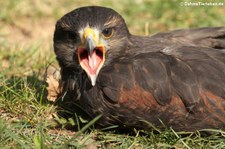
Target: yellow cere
column 90, row 31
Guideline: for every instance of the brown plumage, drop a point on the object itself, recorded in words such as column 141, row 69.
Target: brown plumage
column 176, row 78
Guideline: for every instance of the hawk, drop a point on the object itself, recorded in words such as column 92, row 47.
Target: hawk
column 174, row 79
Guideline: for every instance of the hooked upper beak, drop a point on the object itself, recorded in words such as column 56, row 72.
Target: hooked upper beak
column 91, row 54
column 90, row 44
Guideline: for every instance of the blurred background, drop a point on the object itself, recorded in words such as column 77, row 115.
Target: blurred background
column 26, row 22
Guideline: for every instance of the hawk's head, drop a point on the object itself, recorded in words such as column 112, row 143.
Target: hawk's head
column 88, row 38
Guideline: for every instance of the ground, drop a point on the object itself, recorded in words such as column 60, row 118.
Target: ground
column 29, row 120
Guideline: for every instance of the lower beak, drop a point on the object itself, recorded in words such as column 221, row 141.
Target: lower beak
column 91, row 57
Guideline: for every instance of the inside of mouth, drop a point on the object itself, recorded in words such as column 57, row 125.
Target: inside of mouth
column 91, row 63
column 84, row 53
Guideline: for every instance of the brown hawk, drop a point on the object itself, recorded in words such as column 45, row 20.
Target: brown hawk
column 176, row 78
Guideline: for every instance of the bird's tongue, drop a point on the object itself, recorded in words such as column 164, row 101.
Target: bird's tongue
column 92, row 62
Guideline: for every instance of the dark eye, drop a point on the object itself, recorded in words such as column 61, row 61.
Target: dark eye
column 71, row 35
column 107, row 32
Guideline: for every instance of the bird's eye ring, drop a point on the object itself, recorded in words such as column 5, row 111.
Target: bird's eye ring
column 107, row 33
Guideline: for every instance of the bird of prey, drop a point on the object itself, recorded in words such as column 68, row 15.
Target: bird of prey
column 174, row 79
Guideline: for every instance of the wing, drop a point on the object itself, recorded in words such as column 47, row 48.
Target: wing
column 213, row 37
column 183, row 87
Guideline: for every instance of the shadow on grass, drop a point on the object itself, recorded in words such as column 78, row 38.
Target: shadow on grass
column 24, row 91
column 68, row 114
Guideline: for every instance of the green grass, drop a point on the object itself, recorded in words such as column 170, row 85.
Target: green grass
column 28, row 120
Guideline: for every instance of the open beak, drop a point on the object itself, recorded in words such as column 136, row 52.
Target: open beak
column 91, row 54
